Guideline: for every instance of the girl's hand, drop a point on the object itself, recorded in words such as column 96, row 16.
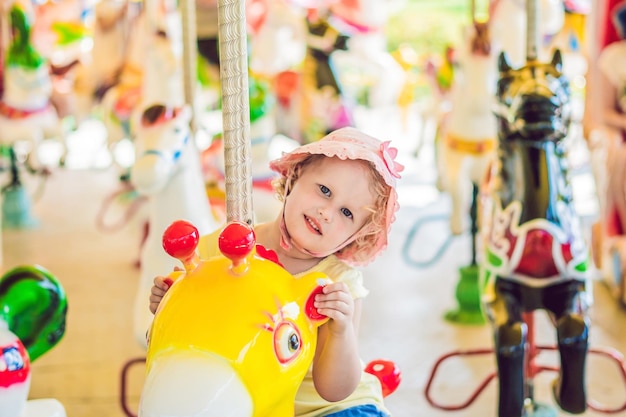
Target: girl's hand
column 160, row 287
column 336, row 302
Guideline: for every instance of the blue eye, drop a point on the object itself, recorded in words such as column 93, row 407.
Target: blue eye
column 346, row 213
column 325, row 190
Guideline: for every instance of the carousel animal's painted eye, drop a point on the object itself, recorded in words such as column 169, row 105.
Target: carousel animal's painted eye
column 287, row 342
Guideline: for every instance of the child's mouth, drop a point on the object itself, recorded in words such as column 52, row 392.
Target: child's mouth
column 313, row 225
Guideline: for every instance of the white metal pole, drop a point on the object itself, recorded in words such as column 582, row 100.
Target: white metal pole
column 235, row 109
column 190, row 56
column 532, row 30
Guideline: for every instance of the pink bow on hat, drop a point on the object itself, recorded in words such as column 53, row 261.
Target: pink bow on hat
column 389, row 155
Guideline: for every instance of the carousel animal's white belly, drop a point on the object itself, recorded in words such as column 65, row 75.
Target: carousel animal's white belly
column 13, row 398
column 211, row 388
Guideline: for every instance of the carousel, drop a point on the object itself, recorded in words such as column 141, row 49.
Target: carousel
column 132, row 130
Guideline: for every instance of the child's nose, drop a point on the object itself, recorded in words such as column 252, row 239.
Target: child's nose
column 324, row 213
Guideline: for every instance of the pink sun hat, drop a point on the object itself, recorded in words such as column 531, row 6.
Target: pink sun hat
column 351, row 143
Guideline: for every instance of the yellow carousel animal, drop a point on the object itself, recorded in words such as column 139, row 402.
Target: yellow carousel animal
column 234, row 335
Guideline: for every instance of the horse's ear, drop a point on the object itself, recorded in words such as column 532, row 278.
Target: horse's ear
column 557, row 60
column 503, row 63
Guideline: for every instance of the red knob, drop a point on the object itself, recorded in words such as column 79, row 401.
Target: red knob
column 309, row 307
column 180, row 240
column 237, row 241
column 387, row 373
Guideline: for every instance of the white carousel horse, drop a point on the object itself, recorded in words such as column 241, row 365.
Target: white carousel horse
column 468, row 141
column 167, row 170
column 163, row 76
column 34, row 307
column 26, row 113
column 155, row 75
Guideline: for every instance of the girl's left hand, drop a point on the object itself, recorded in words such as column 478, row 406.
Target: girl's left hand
column 336, row 303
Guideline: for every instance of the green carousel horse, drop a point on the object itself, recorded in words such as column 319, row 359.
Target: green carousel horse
column 33, row 309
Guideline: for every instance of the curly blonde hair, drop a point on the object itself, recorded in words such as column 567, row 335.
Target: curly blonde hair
column 374, row 225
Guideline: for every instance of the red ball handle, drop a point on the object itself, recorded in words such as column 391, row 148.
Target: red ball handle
column 180, row 240
column 387, row 373
column 237, row 241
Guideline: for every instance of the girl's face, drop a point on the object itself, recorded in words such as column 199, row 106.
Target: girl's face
column 328, row 204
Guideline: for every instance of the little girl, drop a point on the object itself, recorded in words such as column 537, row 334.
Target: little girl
column 339, row 200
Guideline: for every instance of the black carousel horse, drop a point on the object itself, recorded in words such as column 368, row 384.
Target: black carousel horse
column 535, row 255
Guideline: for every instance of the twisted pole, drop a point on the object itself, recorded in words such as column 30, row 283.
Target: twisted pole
column 190, row 55
column 235, row 110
